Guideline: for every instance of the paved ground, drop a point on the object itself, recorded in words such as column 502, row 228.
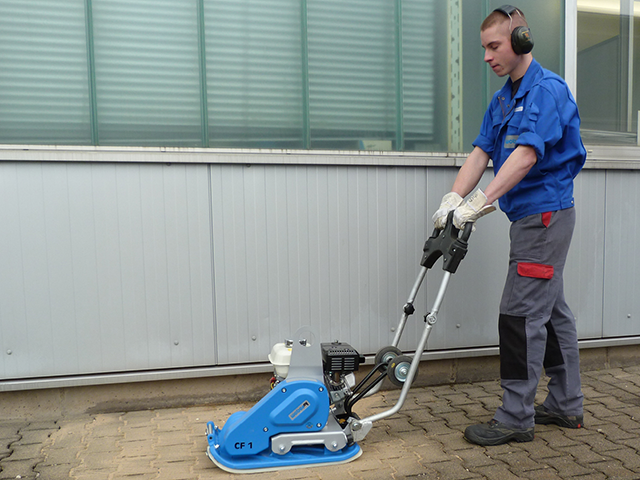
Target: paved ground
column 423, row 441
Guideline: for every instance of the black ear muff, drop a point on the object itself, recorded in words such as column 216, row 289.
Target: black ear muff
column 521, row 39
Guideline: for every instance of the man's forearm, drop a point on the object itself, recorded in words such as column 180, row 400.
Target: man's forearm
column 514, row 169
column 471, row 172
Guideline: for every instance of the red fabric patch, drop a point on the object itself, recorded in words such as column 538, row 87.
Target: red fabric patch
column 546, row 219
column 535, row 270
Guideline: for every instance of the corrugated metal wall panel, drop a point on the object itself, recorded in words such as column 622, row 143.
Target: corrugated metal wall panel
column 621, row 315
column 104, row 268
column 339, row 248
column 584, row 273
column 326, row 246
column 469, row 315
column 127, row 267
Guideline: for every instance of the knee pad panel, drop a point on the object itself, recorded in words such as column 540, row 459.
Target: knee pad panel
column 513, row 347
column 552, row 354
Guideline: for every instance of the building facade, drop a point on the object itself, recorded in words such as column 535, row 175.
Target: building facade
column 186, row 182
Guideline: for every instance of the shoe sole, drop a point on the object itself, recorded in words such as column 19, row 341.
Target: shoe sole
column 546, row 418
column 514, row 437
column 561, row 422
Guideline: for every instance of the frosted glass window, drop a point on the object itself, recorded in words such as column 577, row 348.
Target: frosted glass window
column 147, row 72
column 44, row 84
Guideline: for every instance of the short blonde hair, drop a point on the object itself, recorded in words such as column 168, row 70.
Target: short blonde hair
column 517, row 19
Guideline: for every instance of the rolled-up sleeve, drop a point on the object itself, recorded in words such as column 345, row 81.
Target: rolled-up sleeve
column 541, row 126
column 486, row 138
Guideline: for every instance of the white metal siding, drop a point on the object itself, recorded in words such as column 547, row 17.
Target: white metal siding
column 104, row 268
column 585, row 270
column 326, row 246
column 128, row 267
column 621, row 315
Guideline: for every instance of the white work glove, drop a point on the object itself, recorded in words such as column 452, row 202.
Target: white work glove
column 472, row 209
column 449, row 202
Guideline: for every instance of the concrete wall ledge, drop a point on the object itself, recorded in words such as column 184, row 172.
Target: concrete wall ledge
column 598, row 157
column 247, row 389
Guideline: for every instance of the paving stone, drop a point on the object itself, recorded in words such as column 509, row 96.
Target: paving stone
column 555, row 437
column 584, row 454
column 455, row 419
column 425, row 440
column 591, row 393
column 623, row 420
column 476, row 412
column 404, row 466
column 381, row 473
column 518, row 461
column 98, row 462
column 66, row 452
column 628, row 456
column 544, row 473
column 136, row 466
column 33, row 437
column 452, row 470
column 435, row 429
column 427, row 474
column 618, row 431
column 53, row 471
column 426, row 397
column 453, row 442
column 14, row 470
column 385, row 450
column 440, row 407
column 174, row 453
column 620, row 400
column 600, row 411
column 539, row 449
column 422, row 415
column 414, row 438
column 458, row 398
column 614, row 470
column 431, row 453
column 497, row 471
column 399, row 424
column 472, row 457
column 597, row 440
column 175, row 472
column 568, row 467
column 26, row 452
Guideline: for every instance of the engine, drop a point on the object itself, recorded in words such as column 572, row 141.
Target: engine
column 339, row 362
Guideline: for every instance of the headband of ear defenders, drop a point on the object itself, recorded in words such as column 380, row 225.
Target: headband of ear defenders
column 521, row 39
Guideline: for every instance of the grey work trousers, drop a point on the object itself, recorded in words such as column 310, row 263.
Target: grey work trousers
column 537, row 328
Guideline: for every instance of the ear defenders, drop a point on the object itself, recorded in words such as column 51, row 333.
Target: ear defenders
column 521, row 39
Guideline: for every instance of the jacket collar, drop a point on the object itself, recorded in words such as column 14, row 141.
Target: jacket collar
column 530, row 78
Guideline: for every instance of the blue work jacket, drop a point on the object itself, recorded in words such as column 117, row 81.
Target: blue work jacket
column 542, row 115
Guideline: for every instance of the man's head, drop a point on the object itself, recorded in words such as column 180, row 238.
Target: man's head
column 505, row 54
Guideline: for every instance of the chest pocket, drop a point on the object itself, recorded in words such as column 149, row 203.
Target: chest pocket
column 513, row 127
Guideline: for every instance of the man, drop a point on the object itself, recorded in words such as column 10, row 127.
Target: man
column 531, row 132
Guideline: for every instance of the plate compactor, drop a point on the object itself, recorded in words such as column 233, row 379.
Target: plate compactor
column 307, row 418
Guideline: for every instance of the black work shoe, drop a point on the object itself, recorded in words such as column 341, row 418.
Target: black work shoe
column 496, row 433
column 546, row 417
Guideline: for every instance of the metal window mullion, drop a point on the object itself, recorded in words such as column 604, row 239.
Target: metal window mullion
column 626, row 23
column 399, row 79
column 202, row 52
column 571, row 45
column 91, row 66
column 455, row 76
column 306, row 124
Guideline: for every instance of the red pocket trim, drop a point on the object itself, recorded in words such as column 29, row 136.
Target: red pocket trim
column 535, row 270
column 546, row 219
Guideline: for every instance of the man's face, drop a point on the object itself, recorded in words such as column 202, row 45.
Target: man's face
column 498, row 53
